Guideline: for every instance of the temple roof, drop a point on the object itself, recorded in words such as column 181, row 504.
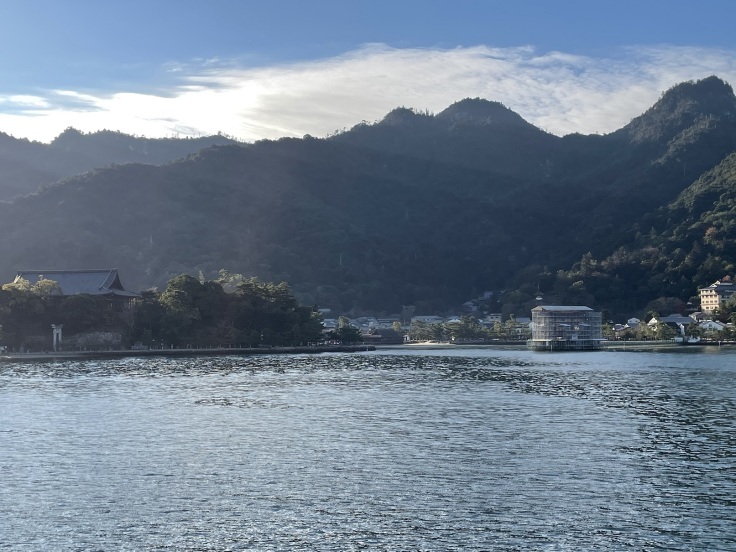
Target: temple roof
column 72, row 282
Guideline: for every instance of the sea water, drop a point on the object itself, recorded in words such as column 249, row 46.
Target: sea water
column 402, row 449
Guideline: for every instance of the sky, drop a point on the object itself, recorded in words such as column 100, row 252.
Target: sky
column 268, row 69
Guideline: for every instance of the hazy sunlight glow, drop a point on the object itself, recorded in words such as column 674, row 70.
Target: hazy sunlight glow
column 558, row 92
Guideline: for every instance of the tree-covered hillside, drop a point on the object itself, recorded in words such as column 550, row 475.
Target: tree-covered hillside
column 416, row 209
column 682, row 246
column 26, row 165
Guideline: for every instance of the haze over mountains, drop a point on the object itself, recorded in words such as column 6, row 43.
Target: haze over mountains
column 26, row 165
column 416, row 209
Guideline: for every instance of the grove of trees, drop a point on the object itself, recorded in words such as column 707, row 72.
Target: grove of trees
column 228, row 311
column 467, row 329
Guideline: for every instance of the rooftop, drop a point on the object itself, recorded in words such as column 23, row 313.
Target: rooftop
column 560, row 308
column 72, row 282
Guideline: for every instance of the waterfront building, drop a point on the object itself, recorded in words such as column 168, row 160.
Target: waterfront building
column 565, row 328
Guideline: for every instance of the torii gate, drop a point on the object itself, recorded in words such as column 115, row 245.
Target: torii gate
column 57, row 335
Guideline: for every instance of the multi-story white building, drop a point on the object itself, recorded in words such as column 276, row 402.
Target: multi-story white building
column 715, row 295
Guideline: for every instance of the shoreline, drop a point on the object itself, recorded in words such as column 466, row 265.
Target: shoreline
column 606, row 346
column 243, row 351
column 611, row 346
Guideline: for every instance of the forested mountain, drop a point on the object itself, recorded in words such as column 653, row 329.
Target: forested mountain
column 418, row 209
column 691, row 242
column 26, row 165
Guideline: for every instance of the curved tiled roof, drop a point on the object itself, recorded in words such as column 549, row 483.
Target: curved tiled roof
column 72, row 282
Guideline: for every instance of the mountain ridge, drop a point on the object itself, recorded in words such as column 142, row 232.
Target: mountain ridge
column 419, row 210
column 26, row 164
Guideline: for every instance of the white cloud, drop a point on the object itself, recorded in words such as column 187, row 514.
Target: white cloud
column 559, row 92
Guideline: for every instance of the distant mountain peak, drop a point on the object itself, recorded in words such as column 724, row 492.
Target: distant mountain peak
column 710, row 92
column 682, row 106
column 469, row 111
column 70, row 134
column 401, row 116
column 480, row 112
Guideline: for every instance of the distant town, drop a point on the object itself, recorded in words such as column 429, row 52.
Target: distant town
column 475, row 325
column 62, row 310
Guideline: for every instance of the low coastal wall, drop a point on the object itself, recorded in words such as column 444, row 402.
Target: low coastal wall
column 81, row 355
column 652, row 345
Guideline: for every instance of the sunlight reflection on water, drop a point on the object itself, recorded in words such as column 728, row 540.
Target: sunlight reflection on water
column 471, row 449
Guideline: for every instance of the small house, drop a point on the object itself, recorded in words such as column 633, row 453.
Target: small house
column 711, row 326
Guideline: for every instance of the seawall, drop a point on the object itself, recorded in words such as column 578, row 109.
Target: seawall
column 82, row 355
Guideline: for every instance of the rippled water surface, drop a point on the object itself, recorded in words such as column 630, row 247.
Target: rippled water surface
column 458, row 449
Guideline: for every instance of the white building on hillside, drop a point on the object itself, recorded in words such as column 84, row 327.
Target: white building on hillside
column 715, row 295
